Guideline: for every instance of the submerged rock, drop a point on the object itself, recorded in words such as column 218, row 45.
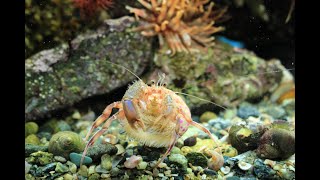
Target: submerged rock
column 206, row 116
column 30, row 148
column 99, row 149
column 65, row 142
column 76, row 158
column 277, row 144
column 31, row 128
column 59, row 77
column 42, row 158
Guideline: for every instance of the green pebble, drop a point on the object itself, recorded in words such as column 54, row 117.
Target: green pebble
column 32, row 139
column 106, row 162
column 197, row 159
column 72, row 167
column 94, row 176
column 60, row 159
column 30, row 148
column 91, row 169
column 178, row 159
column 175, row 150
column 67, row 177
column 142, row 165
column 29, row 177
column 205, row 117
column 31, row 128
column 42, row 158
column 189, row 170
column 76, row 158
column 83, row 171
column 60, row 168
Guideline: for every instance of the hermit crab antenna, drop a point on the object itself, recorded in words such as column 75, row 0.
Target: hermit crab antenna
column 201, row 99
column 125, row 69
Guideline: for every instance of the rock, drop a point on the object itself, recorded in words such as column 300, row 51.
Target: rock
column 30, row 148
column 243, row 138
column 67, row 177
column 32, row 139
column 175, row 150
column 72, row 167
column 229, row 151
column 53, row 126
column 132, row 162
column 40, row 171
column 46, row 135
column 246, row 110
column 276, row 112
column 206, row 116
column 91, row 170
column 263, row 171
column 219, row 123
column 76, row 158
column 31, row 128
column 106, row 162
column 61, row 168
column 142, row 165
column 65, row 142
column 179, row 160
column 59, row 77
column 233, row 178
column 60, row 159
column 42, row 158
column 190, row 141
column 98, row 149
column 83, row 171
column 210, row 172
column 197, row 159
column 94, row 176
column 276, row 143
column 27, row 167
column 99, row 169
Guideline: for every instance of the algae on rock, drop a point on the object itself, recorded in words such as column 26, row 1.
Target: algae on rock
column 59, row 77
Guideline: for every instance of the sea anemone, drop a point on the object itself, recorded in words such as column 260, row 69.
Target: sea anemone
column 89, row 7
column 185, row 25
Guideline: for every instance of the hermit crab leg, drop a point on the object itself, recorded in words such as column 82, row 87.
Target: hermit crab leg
column 104, row 116
column 199, row 126
column 181, row 128
column 118, row 115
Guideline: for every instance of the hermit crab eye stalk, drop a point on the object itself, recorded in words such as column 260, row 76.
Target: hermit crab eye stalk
column 164, row 84
column 152, row 82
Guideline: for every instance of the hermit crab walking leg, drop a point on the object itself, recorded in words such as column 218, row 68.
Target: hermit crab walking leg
column 118, row 115
column 104, row 116
column 181, row 128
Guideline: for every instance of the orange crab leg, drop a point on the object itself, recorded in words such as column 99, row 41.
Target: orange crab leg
column 93, row 139
column 104, row 116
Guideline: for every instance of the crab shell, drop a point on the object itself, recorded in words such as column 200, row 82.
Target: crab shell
column 153, row 113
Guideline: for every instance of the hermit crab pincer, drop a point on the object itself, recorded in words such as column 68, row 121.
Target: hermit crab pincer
column 151, row 114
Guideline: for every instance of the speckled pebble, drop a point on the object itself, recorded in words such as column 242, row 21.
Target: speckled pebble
column 106, row 162
column 178, row 159
column 190, row 141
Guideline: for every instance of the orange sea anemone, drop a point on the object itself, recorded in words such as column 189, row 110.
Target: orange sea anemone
column 185, row 25
column 89, row 7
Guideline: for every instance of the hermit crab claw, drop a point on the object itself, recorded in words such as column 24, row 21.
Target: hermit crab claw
column 132, row 115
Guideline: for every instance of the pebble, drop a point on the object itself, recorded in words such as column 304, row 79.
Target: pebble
column 99, row 169
column 31, row 128
column 42, row 158
column 32, row 139
column 30, row 148
column 244, row 166
column 276, row 112
column 91, row 169
column 179, row 159
column 72, row 167
column 197, row 159
column 67, row 177
column 76, row 158
column 206, row 116
column 61, row 168
column 106, row 162
column 106, row 176
column 263, row 171
column 246, row 110
column 210, row 172
column 94, row 176
column 83, row 171
column 60, row 159
column 120, row 148
column 225, row 169
column 132, row 162
column 142, row 165
column 98, row 149
column 190, row 141
column 27, row 167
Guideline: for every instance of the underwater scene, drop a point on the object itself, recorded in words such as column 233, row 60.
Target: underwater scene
column 159, row 89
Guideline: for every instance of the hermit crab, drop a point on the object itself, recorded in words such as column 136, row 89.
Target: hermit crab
column 150, row 114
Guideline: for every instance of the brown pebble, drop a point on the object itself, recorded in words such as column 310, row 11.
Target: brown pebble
column 190, row 141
